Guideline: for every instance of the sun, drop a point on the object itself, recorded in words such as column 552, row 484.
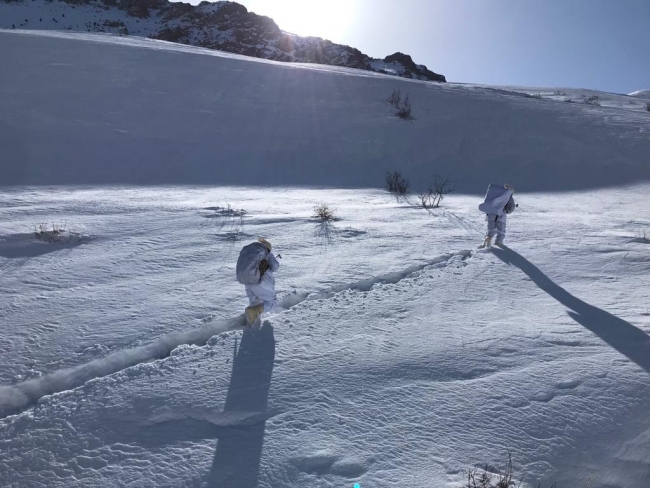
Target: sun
column 330, row 19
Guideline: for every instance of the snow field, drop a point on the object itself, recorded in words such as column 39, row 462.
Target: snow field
column 407, row 356
column 413, row 376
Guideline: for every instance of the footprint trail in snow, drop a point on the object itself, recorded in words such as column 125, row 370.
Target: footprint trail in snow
column 15, row 398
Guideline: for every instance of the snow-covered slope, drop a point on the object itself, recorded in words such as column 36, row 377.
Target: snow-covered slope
column 87, row 108
column 405, row 355
column 226, row 26
column 641, row 94
column 594, row 98
column 415, row 358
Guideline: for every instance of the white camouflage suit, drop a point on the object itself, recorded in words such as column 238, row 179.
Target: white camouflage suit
column 496, row 225
column 263, row 292
column 499, row 202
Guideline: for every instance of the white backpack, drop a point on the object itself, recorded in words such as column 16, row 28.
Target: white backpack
column 248, row 263
column 496, row 199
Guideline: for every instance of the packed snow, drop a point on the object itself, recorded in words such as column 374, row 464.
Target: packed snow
column 405, row 355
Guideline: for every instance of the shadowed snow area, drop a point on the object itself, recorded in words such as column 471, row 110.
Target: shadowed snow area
column 98, row 109
column 404, row 356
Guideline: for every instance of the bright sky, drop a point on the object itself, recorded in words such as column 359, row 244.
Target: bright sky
column 602, row 44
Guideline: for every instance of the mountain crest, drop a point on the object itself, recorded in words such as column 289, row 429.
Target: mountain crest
column 225, row 26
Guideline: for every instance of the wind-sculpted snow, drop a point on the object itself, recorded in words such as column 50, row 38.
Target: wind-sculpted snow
column 436, row 362
column 16, row 397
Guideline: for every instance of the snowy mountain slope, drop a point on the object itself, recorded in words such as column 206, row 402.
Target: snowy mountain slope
column 581, row 96
column 405, row 357
column 89, row 109
column 449, row 360
column 226, row 26
column 641, row 94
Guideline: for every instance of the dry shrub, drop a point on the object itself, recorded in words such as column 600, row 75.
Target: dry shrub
column 325, row 213
column 397, row 184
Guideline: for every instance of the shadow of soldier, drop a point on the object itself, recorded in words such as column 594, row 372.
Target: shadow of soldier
column 239, row 448
column 627, row 339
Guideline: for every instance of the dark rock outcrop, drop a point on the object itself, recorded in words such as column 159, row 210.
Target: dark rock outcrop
column 413, row 70
column 227, row 26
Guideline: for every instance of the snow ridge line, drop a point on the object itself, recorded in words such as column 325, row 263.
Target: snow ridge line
column 17, row 397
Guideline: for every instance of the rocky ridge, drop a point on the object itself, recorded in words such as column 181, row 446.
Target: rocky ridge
column 225, row 26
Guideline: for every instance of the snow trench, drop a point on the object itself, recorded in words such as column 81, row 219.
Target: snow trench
column 17, row 397
column 367, row 284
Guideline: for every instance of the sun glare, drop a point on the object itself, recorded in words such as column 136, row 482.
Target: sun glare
column 329, row 19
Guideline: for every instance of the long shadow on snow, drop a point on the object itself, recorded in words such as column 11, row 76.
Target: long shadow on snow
column 239, row 449
column 621, row 335
column 239, row 428
column 27, row 246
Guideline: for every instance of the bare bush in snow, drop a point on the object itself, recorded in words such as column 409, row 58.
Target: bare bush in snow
column 404, row 111
column 434, row 194
column 593, row 100
column 425, row 198
column 56, row 233
column 647, row 107
column 229, row 210
column 395, row 98
column 397, row 184
column 403, row 105
column 492, row 477
column 229, row 220
column 49, row 234
column 325, row 213
column 488, row 479
column 325, row 228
